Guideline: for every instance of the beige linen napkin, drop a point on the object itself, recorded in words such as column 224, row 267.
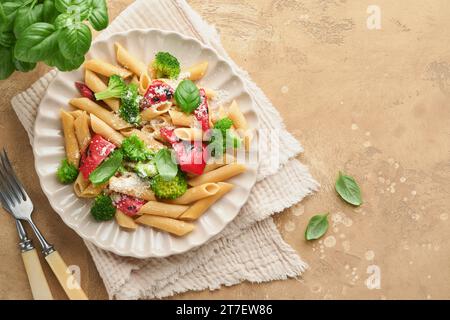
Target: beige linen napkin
column 250, row 247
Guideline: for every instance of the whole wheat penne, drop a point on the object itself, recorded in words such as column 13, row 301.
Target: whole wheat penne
column 217, row 163
column 100, row 127
column 155, row 111
column 218, row 175
column 197, row 71
column 80, row 185
column 112, row 119
column 135, row 80
column 76, row 113
column 161, row 209
column 128, row 61
column 125, row 221
column 144, row 82
column 235, row 114
column 176, row 227
column 97, row 85
column 180, row 118
column 190, row 134
column 200, row 207
column 196, row 193
column 106, row 69
column 82, row 132
column 70, row 139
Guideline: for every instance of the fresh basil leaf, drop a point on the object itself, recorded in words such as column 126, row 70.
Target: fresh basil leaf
column 59, row 61
column 64, row 20
column 49, row 11
column 98, row 17
column 26, row 16
column 23, row 66
column 79, row 8
column 7, row 39
column 75, row 40
column 166, row 167
column 38, row 42
column 8, row 13
column 187, row 96
column 107, row 169
column 6, row 63
column 317, row 227
column 348, row 189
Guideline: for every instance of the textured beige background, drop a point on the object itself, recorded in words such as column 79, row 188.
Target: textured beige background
column 375, row 103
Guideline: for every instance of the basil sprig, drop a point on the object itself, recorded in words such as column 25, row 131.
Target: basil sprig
column 107, row 169
column 348, row 189
column 167, row 169
column 187, row 96
column 52, row 31
column 317, row 227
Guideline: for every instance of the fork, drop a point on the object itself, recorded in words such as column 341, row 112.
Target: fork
column 16, row 201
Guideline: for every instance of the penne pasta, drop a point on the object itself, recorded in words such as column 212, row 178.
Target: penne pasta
column 180, row 118
column 220, row 174
column 235, row 114
column 210, row 93
column 190, row 134
column 112, row 119
column 145, row 136
column 200, row 207
column 70, row 139
column 100, row 127
column 135, row 80
column 144, row 83
column 125, row 221
column 161, row 209
column 155, row 111
column 217, row 163
column 106, row 69
column 97, row 85
column 196, row 193
column 196, row 72
column 84, row 189
column 76, row 113
column 176, row 227
column 82, row 131
column 128, row 61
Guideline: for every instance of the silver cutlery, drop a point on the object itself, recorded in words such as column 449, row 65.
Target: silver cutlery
column 16, row 201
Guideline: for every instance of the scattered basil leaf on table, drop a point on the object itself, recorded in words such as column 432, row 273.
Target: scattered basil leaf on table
column 317, row 227
column 166, row 167
column 38, row 42
column 348, row 189
column 49, row 11
column 23, row 66
column 26, row 16
column 7, row 39
column 6, row 62
column 98, row 18
column 107, row 169
column 74, row 40
column 187, row 96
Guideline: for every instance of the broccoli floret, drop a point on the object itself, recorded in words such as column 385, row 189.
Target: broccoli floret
column 166, row 65
column 171, row 189
column 116, row 88
column 223, row 125
column 129, row 108
column 134, row 149
column 145, row 169
column 103, row 208
column 67, row 172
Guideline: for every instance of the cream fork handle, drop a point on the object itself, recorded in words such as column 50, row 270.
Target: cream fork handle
column 36, row 277
column 65, row 278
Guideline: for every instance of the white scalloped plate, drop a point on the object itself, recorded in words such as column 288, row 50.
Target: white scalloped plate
column 49, row 149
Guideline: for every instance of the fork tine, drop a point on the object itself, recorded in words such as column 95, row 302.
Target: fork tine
column 14, row 183
column 5, row 188
column 13, row 173
column 4, row 203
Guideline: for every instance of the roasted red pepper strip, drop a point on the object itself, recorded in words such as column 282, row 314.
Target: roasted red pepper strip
column 129, row 205
column 158, row 92
column 191, row 156
column 201, row 113
column 97, row 151
column 85, row 91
